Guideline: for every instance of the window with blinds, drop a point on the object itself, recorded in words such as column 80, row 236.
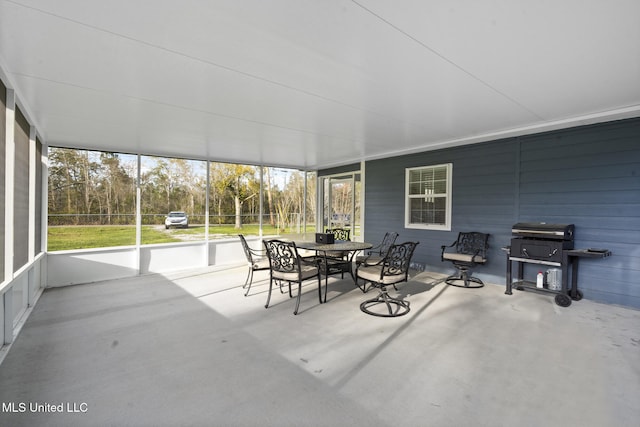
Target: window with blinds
column 428, row 197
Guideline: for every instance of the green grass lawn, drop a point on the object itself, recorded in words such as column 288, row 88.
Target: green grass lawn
column 85, row 237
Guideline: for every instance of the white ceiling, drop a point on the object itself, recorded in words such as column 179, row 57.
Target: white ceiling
column 315, row 83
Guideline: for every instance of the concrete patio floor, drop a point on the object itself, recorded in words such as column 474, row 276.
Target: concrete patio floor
column 189, row 349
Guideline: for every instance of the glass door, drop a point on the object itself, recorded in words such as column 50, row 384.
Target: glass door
column 341, row 202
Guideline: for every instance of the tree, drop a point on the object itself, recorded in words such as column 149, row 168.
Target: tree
column 104, row 185
column 116, row 186
column 72, row 176
column 234, row 180
column 267, row 176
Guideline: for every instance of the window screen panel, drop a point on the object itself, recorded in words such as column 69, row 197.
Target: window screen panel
column 21, row 193
column 3, row 147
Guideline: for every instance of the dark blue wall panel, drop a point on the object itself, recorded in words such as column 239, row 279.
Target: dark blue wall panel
column 588, row 176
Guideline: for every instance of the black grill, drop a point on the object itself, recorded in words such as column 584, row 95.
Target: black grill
column 547, row 244
column 542, row 230
column 541, row 242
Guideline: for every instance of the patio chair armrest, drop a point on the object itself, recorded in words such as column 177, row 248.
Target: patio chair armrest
column 444, row 249
column 365, row 263
column 258, row 252
column 373, row 248
column 449, row 246
column 313, row 260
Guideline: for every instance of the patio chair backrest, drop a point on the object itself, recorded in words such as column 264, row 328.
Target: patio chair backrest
column 472, row 243
column 283, row 256
column 339, row 233
column 247, row 250
column 398, row 258
column 388, row 240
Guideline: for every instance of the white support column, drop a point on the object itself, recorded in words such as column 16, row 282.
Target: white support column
column 9, row 184
column 206, row 216
column 319, row 203
column 44, row 161
column 9, row 168
column 33, row 161
column 304, row 206
column 138, row 215
column 261, row 209
column 353, row 206
column 362, row 197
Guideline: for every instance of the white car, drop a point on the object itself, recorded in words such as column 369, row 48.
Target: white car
column 176, row 219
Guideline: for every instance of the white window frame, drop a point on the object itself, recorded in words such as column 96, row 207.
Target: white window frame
column 447, row 196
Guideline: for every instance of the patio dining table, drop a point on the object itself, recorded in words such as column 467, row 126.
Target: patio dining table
column 338, row 246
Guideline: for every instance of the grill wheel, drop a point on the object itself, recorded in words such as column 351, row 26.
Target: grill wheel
column 563, row 300
column 578, row 295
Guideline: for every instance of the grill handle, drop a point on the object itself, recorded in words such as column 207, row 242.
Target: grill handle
column 526, row 254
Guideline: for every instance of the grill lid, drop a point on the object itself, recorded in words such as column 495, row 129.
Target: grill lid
column 542, row 230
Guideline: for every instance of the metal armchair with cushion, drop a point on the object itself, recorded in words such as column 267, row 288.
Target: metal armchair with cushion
column 339, row 233
column 286, row 265
column 340, row 262
column 468, row 251
column 392, row 269
column 343, row 234
column 378, row 252
column 256, row 260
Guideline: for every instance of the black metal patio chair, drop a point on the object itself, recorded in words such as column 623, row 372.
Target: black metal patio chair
column 339, row 233
column 466, row 252
column 256, row 260
column 343, row 234
column 378, row 252
column 392, row 269
column 286, row 265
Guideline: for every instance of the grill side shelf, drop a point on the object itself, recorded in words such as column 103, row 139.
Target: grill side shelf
column 589, row 253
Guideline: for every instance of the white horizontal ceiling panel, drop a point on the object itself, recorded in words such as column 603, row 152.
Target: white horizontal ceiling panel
column 123, row 124
column 131, row 125
column 309, row 83
column 557, row 59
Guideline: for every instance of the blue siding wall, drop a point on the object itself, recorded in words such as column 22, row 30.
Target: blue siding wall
column 588, row 176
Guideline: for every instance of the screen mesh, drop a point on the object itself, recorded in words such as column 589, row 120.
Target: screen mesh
column 21, row 193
